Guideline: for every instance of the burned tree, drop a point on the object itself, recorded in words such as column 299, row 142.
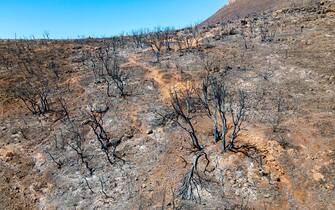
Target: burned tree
column 218, row 105
column 77, row 146
column 195, row 34
column 210, row 63
column 277, row 111
column 74, row 135
column 92, row 61
column 36, row 78
column 57, row 162
column 106, row 65
column 179, row 41
column 267, row 34
column 138, row 38
column 115, row 75
column 36, row 97
column 6, row 62
column 54, row 68
column 25, row 55
column 156, row 41
column 184, row 118
column 99, row 60
column 102, row 186
column 237, row 117
column 188, row 39
column 95, row 121
column 204, row 96
column 168, row 35
column 189, row 189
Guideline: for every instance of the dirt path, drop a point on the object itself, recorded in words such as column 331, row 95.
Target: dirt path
column 166, row 81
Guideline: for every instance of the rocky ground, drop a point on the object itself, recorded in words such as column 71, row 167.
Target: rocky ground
column 289, row 167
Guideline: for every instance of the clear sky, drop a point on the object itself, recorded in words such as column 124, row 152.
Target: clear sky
column 73, row 18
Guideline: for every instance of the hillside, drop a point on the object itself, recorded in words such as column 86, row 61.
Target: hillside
column 241, row 8
column 235, row 115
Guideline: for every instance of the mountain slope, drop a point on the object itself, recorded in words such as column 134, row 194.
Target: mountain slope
column 241, row 8
column 284, row 156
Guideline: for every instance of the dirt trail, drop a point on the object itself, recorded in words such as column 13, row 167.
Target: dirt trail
column 166, row 81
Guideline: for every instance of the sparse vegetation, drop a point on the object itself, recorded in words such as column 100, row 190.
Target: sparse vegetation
column 226, row 116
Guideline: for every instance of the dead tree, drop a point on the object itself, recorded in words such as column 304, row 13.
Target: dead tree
column 168, row 34
column 88, row 185
column 138, row 38
column 92, row 60
column 64, row 109
column 57, row 162
column 121, row 40
column 188, row 42
column 267, row 34
column 96, row 123
column 100, row 60
column 189, row 189
column 237, row 117
column 204, row 96
column 36, row 84
column 36, row 97
column 155, row 40
column 218, row 106
column 103, row 190
column 189, row 38
column 184, row 117
column 108, row 67
column 55, row 68
column 219, row 98
column 26, row 58
column 210, row 63
column 195, row 34
column 115, row 43
column 76, row 136
column 6, row 62
column 78, row 147
column 180, row 42
column 189, row 100
column 115, row 75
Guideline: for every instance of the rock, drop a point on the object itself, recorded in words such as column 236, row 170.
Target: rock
column 99, row 108
column 16, row 136
column 150, row 131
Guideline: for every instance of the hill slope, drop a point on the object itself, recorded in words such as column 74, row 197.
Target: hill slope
column 70, row 156
column 241, row 8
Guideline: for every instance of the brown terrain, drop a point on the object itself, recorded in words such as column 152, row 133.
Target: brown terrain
column 242, row 8
column 283, row 60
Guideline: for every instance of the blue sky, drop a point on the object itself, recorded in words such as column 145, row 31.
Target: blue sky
column 73, row 18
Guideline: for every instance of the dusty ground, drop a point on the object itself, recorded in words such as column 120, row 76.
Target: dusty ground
column 292, row 168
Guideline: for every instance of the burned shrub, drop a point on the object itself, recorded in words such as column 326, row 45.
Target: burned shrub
column 36, row 97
